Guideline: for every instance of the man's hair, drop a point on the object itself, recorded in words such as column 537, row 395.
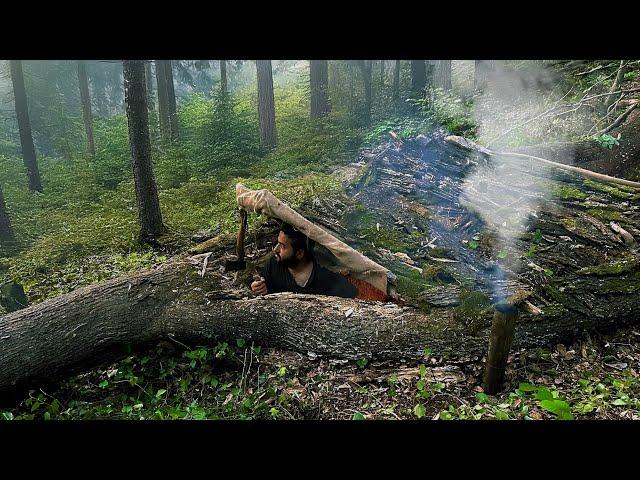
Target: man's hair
column 299, row 241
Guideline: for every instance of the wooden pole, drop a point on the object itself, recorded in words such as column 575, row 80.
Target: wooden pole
column 241, row 235
column 470, row 145
column 502, row 330
column 238, row 263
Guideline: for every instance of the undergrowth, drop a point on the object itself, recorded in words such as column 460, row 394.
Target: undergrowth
column 84, row 229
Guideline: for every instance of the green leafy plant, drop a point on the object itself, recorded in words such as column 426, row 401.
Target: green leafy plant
column 607, row 141
column 548, row 400
column 419, row 410
column 560, row 408
column 537, row 236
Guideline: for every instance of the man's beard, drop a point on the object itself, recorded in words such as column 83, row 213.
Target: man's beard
column 290, row 262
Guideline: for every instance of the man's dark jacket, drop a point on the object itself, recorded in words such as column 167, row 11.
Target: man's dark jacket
column 321, row 281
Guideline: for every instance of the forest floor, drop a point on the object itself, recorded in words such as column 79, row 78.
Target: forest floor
column 593, row 378
column 77, row 236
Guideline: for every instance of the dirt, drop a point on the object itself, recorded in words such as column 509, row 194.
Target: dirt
column 322, row 389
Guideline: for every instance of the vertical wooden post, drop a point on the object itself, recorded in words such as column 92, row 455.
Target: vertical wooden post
column 241, row 235
column 502, row 330
column 238, row 263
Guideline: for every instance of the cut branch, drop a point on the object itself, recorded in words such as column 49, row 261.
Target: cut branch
column 620, row 118
column 469, row 145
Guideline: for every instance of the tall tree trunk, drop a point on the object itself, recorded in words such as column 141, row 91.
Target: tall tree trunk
column 148, row 75
column 266, row 104
column 442, row 75
column 396, row 83
column 365, row 69
column 99, row 87
column 6, row 231
column 381, row 74
column 163, row 101
column 171, row 97
column 85, row 99
column 418, row 76
column 223, row 76
column 482, row 72
column 319, row 83
column 137, row 115
column 24, row 126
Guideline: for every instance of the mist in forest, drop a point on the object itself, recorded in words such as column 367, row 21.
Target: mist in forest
column 509, row 99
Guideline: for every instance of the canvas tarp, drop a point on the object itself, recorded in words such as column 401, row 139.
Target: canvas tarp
column 348, row 259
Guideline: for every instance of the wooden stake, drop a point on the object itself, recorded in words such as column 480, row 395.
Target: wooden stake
column 238, row 263
column 502, row 330
column 241, row 235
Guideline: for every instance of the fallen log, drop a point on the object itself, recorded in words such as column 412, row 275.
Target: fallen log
column 76, row 331
column 594, row 286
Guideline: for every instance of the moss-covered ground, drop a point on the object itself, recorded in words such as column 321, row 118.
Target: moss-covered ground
column 83, row 229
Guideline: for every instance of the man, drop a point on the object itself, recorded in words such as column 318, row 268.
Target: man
column 293, row 268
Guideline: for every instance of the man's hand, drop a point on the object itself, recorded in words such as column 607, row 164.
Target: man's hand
column 259, row 287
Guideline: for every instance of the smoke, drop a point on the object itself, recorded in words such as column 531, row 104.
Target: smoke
column 494, row 189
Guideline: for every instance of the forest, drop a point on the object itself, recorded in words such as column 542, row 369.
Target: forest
column 501, row 199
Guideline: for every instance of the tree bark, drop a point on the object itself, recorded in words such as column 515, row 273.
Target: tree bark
column 266, row 105
column 223, row 76
column 418, row 76
column 594, row 288
column 78, row 330
column 24, row 126
column 6, row 231
column 137, row 116
column 442, row 75
column 171, row 101
column 85, row 100
column 319, row 83
column 163, row 101
column 148, row 75
column 382, row 74
column 365, row 69
column 396, row 83
column 99, row 88
column 482, row 71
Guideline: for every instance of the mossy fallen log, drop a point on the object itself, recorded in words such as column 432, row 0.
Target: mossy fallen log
column 74, row 332
column 581, row 272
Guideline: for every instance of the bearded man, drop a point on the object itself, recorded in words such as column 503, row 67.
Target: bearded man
column 293, row 268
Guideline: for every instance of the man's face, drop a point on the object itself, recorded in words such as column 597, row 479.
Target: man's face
column 284, row 251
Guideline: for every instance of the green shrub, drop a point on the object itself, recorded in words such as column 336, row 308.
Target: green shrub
column 112, row 161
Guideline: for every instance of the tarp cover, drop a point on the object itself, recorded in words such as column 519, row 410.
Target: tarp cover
column 348, row 259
